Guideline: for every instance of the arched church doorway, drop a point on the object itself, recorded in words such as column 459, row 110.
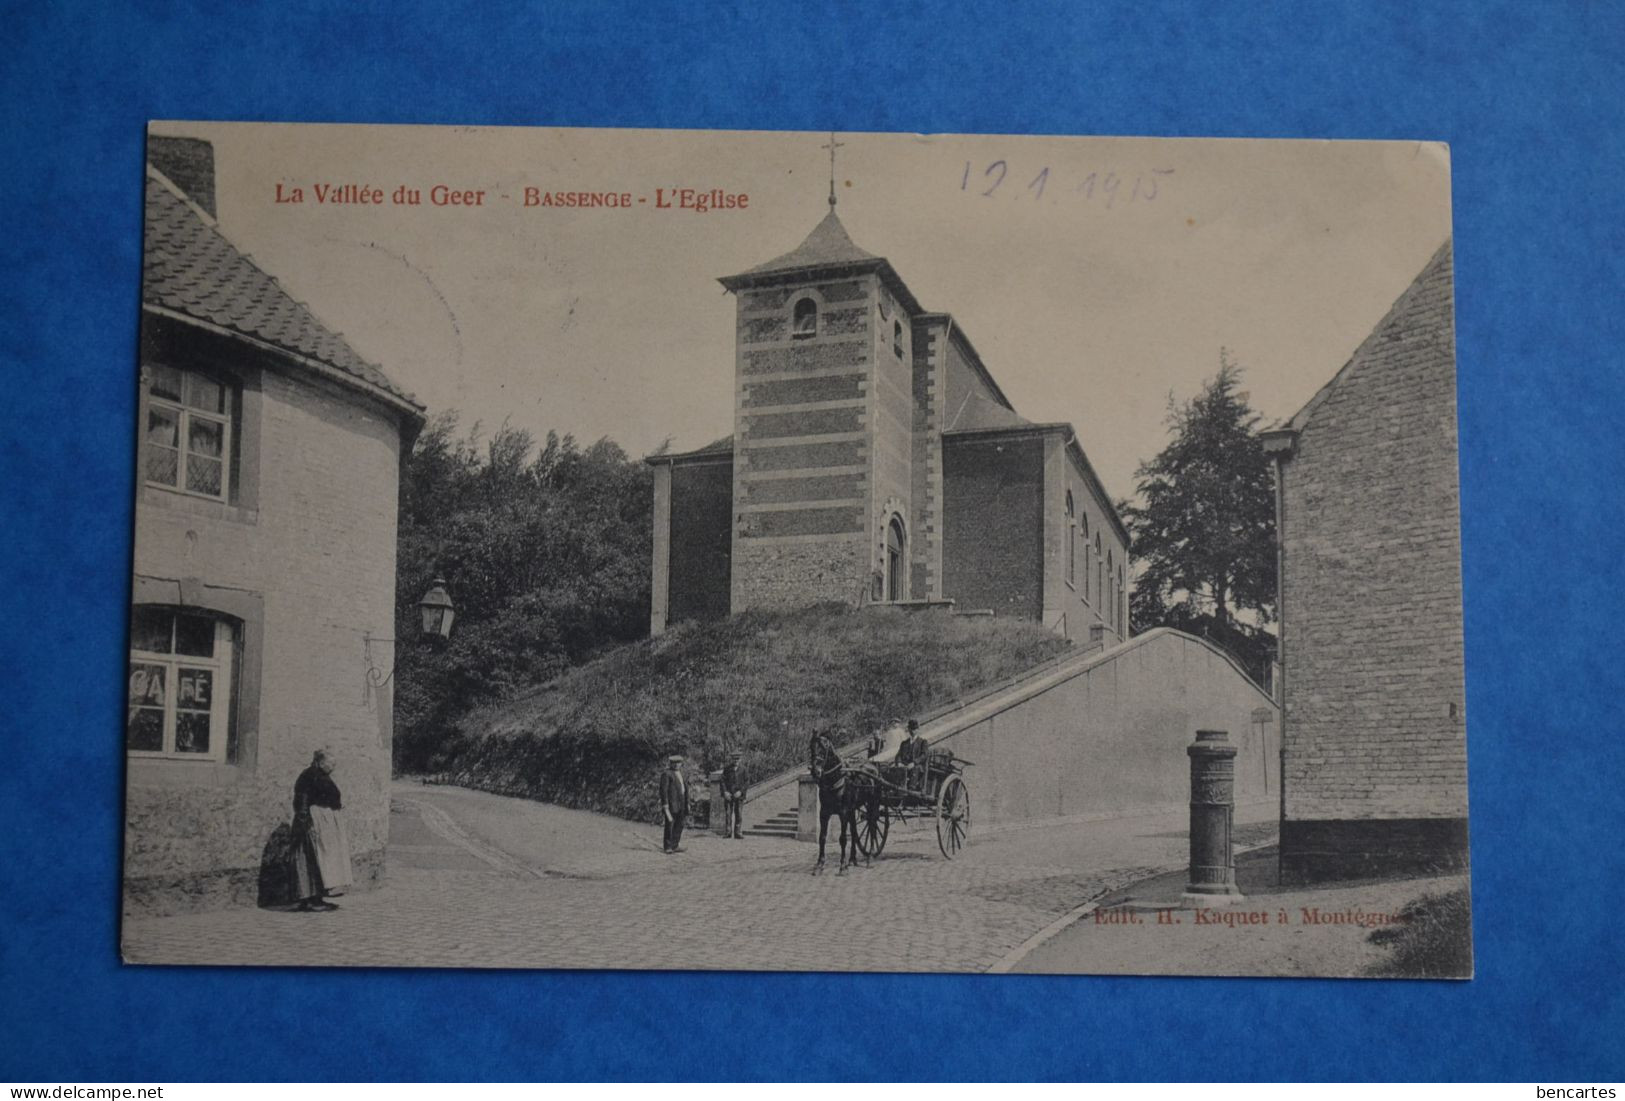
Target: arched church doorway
column 895, row 570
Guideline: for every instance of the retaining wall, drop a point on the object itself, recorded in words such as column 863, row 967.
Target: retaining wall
column 1101, row 733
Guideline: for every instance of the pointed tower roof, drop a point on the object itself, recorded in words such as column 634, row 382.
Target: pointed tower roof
column 828, row 243
column 828, row 249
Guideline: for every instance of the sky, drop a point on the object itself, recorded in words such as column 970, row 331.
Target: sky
column 1096, row 276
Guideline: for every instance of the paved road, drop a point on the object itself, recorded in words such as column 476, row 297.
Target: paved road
column 478, row 880
column 1228, row 941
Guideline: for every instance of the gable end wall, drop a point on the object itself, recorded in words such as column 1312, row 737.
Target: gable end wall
column 1375, row 726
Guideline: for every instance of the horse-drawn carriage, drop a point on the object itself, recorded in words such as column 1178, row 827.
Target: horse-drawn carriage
column 871, row 791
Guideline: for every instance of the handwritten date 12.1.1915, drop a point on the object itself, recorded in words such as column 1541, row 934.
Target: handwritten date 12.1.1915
column 999, row 180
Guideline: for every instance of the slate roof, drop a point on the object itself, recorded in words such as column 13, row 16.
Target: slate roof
column 826, row 246
column 724, row 446
column 190, row 268
column 977, row 413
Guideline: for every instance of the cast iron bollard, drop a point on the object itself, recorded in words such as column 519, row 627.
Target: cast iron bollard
column 1213, row 788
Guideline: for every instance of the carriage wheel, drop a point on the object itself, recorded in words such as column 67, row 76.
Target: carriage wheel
column 953, row 816
column 872, row 830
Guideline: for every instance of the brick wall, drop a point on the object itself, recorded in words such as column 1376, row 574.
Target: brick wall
column 318, row 556
column 702, row 544
column 1372, row 583
column 993, row 523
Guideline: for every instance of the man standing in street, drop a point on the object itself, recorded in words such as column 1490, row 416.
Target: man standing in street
column 733, row 796
column 673, row 802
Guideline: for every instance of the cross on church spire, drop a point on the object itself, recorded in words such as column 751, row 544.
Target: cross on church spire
column 832, row 146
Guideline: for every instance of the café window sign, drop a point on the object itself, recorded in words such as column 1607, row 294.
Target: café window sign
column 180, row 684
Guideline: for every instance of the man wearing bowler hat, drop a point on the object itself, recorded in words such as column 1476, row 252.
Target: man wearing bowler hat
column 912, row 754
column 673, row 802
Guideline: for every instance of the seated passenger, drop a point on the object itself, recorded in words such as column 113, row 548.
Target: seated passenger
column 912, row 754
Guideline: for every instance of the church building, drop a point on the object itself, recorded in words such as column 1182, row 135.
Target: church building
column 875, row 460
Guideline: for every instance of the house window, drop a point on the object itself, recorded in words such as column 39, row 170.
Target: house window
column 1071, row 541
column 188, row 434
column 897, row 338
column 896, row 580
column 180, row 684
column 805, row 319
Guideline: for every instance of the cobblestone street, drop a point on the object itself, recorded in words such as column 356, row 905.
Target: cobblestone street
column 477, row 880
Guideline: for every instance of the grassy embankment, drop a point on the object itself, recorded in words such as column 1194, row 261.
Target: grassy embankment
column 1435, row 941
column 595, row 737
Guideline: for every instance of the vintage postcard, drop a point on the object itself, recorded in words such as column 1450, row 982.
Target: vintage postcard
column 872, row 552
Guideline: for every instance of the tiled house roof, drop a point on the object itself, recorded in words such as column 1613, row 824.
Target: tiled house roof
column 190, row 268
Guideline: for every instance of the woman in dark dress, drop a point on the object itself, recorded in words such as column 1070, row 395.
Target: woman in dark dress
column 321, row 858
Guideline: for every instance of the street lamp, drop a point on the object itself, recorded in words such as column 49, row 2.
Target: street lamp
column 437, row 610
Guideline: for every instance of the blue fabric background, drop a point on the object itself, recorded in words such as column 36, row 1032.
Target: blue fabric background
column 1531, row 99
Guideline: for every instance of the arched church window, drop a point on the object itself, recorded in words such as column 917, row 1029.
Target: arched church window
column 1111, row 598
column 1100, row 572
column 1071, row 541
column 805, row 319
column 896, row 578
column 1122, row 604
column 897, row 338
column 1084, row 522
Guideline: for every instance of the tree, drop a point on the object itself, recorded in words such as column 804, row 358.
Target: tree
column 546, row 554
column 1203, row 527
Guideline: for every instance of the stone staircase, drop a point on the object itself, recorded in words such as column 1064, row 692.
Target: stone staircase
column 782, row 824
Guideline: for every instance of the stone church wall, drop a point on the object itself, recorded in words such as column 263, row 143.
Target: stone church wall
column 925, row 475
column 791, row 574
column 891, row 415
column 1083, row 597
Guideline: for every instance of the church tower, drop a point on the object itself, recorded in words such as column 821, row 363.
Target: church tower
column 823, row 426
column 875, row 460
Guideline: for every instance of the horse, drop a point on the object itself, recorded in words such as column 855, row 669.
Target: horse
column 838, row 794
